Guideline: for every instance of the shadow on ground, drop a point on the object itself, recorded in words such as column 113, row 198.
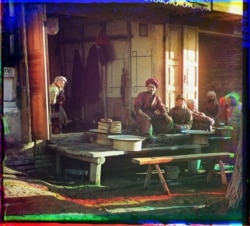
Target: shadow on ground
column 122, row 198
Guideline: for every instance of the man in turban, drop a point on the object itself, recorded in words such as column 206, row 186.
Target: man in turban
column 212, row 107
column 58, row 114
column 150, row 112
column 200, row 120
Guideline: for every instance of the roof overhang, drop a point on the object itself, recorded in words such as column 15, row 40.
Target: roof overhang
column 150, row 12
column 230, row 7
column 147, row 12
column 197, row 5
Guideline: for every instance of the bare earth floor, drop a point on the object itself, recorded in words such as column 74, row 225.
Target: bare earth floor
column 121, row 199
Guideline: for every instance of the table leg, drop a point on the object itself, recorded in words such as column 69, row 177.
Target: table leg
column 193, row 164
column 95, row 171
column 211, row 169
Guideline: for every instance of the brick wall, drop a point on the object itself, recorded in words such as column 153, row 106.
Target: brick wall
column 220, row 65
column 30, row 158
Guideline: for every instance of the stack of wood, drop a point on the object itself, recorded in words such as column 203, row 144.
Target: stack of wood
column 103, row 130
column 116, row 127
column 104, row 125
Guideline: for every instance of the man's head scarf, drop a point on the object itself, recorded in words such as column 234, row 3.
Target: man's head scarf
column 154, row 81
column 234, row 95
column 58, row 78
column 235, row 98
column 211, row 93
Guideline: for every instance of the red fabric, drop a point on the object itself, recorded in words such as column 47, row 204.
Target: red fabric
column 142, row 101
column 102, row 38
column 154, row 81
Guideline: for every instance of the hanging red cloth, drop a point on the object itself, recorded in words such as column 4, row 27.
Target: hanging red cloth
column 102, row 38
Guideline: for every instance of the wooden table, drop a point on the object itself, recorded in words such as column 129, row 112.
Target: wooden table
column 216, row 143
column 96, row 154
column 199, row 136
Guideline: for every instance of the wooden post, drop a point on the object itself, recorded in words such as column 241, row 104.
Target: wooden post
column 104, row 88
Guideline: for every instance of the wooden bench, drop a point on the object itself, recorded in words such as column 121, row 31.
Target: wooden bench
column 155, row 161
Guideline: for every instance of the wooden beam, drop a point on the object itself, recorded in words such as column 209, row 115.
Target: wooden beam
column 93, row 38
column 220, row 33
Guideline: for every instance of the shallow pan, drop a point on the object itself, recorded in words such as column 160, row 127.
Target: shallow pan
column 127, row 142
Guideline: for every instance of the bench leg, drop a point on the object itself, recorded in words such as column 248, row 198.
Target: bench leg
column 211, row 171
column 148, row 176
column 162, row 179
column 222, row 171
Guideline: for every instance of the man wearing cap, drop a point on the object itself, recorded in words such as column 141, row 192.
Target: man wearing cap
column 150, row 110
column 58, row 114
column 182, row 117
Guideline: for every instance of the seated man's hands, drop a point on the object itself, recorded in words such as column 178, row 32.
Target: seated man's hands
column 178, row 128
column 61, row 98
column 211, row 121
column 144, row 115
column 168, row 118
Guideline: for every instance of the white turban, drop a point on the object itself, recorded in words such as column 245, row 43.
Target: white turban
column 211, row 93
column 57, row 78
column 192, row 101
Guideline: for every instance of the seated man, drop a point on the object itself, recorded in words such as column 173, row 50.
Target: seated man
column 200, row 120
column 183, row 120
column 180, row 114
column 150, row 110
column 212, row 106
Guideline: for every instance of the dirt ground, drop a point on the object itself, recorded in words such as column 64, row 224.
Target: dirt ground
column 121, row 199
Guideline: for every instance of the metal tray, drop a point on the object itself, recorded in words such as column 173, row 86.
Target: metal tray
column 198, row 132
column 126, row 137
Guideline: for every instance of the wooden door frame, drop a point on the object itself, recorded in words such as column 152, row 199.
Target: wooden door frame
column 37, row 55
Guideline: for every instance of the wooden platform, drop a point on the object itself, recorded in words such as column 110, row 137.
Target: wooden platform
column 75, row 147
